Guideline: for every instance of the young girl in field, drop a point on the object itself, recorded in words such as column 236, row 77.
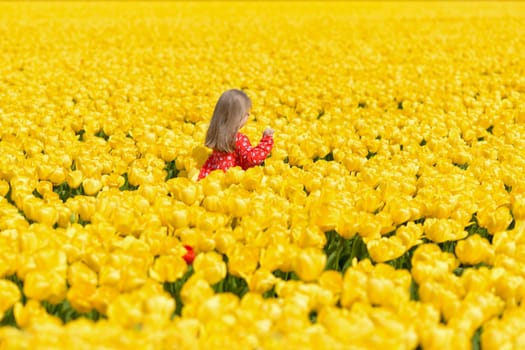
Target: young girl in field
column 230, row 147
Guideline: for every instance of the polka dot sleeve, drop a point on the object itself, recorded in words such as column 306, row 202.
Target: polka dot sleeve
column 249, row 156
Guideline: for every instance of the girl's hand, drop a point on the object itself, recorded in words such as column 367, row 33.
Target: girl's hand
column 268, row 132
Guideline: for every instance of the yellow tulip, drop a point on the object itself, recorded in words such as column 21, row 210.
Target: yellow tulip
column 158, row 310
column 510, row 288
column 504, row 332
column 474, row 250
column 102, row 297
column 310, row 236
column 179, row 217
column 441, row 297
column 331, row 280
column 113, row 180
column 213, row 203
column 252, row 178
column 43, row 187
column 168, row 268
column 167, row 153
column 86, row 207
column 309, row 263
column 518, row 206
column 217, row 306
column 9, row 295
column 243, row 260
column 33, row 313
column 80, row 296
column 45, row 285
column 348, row 224
column 207, row 222
column 385, row 249
column 261, row 281
column 326, row 216
column 430, row 263
column 339, row 322
column 368, row 200
column 46, row 214
column 189, row 194
column 210, row 266
column 125, row 310
column 474, row 311
column 369, row 226
column 211, row 186
column 224, row 240
column 477, row 280
column 383, row 291
column 65, row 216
column 4, row 187
column 125, row 220
column 58, row 175
column 233, row 176
column 195, row 290
column 9, row 262
column 80, row 273
column 441, row 230
column 410, row 234
column 401, row 210
column 439, row 337
column 91, row 186
column 44, row 171
column 495, row 219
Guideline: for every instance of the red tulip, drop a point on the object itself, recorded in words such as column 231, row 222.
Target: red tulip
column 190, row 255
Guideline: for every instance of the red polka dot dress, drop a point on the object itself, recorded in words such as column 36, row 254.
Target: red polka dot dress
column 244, row 155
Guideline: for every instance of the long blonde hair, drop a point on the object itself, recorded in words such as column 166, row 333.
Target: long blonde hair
column 229, row 111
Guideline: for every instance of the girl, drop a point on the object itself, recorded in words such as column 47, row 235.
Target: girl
column 230, row 147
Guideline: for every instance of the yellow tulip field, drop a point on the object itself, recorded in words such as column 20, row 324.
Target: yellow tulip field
column 389, row 215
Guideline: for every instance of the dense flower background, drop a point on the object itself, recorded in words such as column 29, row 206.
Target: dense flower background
column 390, row 214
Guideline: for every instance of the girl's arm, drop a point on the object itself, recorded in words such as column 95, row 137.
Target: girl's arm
column 250, row 156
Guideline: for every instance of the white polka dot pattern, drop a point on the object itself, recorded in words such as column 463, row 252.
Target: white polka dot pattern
column 244, row 155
